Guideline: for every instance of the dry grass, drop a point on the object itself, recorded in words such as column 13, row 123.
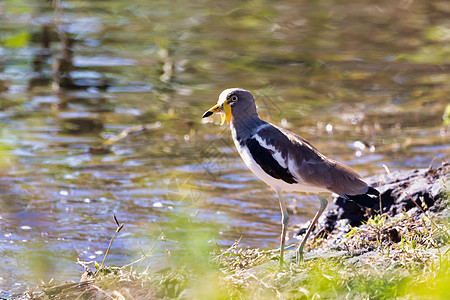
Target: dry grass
column 406, row 257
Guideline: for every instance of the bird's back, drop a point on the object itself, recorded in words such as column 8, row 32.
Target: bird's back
column 308, row 165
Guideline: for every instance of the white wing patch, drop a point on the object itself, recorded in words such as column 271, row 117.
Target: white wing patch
column 277, row 184
column 275, row 153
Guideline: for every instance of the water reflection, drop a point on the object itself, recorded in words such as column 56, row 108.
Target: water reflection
column 108, row 118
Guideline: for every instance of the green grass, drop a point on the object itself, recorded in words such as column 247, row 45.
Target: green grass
column 406, row 257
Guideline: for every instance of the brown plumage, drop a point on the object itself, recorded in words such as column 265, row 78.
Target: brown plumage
column 286, row 161
column 317, row 169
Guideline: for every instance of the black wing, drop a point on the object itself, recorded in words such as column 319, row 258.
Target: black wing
column 267, row 162
column 370, row 199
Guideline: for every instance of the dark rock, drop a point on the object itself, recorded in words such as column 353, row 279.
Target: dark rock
column 81, row 125
column 424, row 186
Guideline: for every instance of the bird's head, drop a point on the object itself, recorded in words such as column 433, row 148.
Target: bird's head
column 233, row 102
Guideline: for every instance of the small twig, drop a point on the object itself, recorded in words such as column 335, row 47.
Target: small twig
column 380, row 202
column 144, row 257
column 265, row 285
column 430, row 167
column 234, row 246
column 118, row 229
column 167, row 252
column 102, row 292
column 125, row 133
column 85, row 264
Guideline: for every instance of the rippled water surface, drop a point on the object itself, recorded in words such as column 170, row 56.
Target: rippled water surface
column 366, row 82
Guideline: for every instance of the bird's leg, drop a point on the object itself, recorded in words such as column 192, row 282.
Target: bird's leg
column 299, row 250
column 284, row 223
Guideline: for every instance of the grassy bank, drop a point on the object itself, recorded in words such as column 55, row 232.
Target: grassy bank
column 405, row 257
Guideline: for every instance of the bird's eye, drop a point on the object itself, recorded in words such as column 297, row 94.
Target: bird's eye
column 234, row 98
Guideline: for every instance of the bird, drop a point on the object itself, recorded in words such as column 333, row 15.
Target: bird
column 287, row 162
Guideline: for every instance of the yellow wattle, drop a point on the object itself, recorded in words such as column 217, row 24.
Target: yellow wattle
column 222, row 118
column 227, row 110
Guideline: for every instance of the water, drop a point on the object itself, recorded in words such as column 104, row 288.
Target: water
column 367, row 83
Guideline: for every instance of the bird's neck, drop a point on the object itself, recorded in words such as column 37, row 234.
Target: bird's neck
column 244, row 128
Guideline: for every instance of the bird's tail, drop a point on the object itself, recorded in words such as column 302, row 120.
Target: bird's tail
column 370, row 199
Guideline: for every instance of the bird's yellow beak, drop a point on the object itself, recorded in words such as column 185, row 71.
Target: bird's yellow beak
column 224, row 110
